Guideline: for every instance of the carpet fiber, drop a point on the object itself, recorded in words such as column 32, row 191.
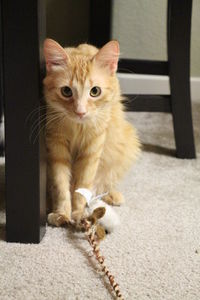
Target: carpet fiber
column 155, row 254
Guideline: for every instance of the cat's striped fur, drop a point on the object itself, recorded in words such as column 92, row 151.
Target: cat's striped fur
column 89, row 142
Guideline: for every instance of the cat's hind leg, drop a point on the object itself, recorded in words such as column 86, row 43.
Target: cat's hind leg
column 114, row 198
column 106, row 184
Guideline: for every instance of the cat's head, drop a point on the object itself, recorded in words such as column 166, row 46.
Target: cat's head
column 81, row 82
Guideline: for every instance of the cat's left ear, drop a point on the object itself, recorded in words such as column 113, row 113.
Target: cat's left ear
column 108, row 56
column 54, row 55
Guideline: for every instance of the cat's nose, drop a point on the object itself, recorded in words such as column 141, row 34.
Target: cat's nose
column 81, row 114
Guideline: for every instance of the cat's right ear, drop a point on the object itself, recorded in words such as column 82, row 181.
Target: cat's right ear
column 54, row 55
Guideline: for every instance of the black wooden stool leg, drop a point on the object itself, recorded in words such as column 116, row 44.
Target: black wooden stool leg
column 100, row 27
column 23, row 29
column 179, row 29
column 1, row 86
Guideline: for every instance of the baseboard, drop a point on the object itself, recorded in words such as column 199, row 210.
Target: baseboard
column 153, row 84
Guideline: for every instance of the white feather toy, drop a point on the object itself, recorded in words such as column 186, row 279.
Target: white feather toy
column 110, row 220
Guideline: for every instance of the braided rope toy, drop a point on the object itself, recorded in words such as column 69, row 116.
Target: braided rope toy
column 94, row 234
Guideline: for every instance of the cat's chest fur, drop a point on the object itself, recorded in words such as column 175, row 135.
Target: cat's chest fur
column 79, row 138
column 76, row 140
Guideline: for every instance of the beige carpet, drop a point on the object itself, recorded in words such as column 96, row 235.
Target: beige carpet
column 155, row 254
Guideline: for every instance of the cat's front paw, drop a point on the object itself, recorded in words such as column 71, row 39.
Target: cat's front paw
column 77, row 215
column 58, row 219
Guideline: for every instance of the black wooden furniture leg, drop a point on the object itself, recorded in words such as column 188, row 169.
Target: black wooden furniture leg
column 100, row 22
column 1, row 85
column 23, row 33
column 179, row 28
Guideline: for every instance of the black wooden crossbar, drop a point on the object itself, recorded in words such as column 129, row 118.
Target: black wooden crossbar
column 141, row 66
column 150, row 103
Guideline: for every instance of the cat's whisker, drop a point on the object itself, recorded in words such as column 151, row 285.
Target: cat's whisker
column 38, row 119
column 53, row 119
column 42, row 127
column 60, row 122
column 33, row 112
column 129, row 99
column 42, row 116
column 38, row 123
column 127, row 70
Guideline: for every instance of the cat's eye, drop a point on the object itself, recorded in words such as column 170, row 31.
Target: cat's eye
column 95, row 91
column 66, row 91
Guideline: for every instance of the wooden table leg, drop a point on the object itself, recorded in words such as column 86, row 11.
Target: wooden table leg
column 23, row 31
column 1, row 86
column 100, row 22
column 179, row 29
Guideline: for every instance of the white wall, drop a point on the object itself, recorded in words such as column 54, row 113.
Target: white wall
column 140, row 27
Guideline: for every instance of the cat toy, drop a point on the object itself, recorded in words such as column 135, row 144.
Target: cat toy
column 110, row 220
column 93, row 226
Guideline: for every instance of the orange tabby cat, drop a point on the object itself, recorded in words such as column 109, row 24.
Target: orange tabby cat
column 89, row 142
